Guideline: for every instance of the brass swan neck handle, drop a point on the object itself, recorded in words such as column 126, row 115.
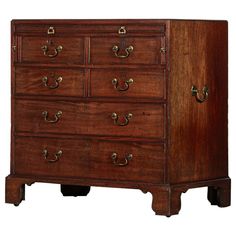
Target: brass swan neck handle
column 127, row 117
column 116, row 162
column 56, row 117
column 56, row 155
column 200, row 95
column 124, row 87
column 128, row 50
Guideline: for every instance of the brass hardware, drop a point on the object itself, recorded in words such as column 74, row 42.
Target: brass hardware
column 122, row 30
column 51, row 30
column 14, row 48
column 124, row 163
column 200, row 96
column 115, row 117
column 163, row 50
column 56, row 51
column 56, row 85
column 128, row 50
column 56, row 156
column 57, row 117
column 125, row 87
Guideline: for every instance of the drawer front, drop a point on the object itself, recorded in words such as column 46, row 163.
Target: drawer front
column 56, row 82
column 118, row 28
column 128, row 83
column 69, row 50
column 132, row 120
column 128, row 50
column 90, row 159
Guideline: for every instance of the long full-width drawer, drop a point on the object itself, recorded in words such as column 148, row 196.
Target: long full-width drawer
column 95, row 118
column 131, row 161
column 122, row 28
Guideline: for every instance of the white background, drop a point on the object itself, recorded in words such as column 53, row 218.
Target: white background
column 107, row 211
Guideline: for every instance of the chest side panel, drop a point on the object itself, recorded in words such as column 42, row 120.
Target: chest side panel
column 198, row 130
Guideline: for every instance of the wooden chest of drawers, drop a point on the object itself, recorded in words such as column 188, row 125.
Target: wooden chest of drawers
column 120, row 103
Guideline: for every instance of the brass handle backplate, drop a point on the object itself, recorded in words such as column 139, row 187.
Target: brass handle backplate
column 56, row 84
column 56, row 156
column 200, row 96
column 116, row 162
column 128, row 50
column 56, row 117
column 127, row 117
column 46, row 50
column 124, row 87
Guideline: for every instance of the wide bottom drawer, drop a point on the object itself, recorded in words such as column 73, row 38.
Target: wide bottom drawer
column 89, row 158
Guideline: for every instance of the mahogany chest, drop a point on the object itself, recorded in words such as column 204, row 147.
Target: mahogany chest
column 120, row 103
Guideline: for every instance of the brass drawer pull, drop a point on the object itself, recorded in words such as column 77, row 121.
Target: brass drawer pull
column 128, row 50
column 200, row 96
column 56, row 85
column 46, row 51
column 123, row 163
column 56, row 156
column 122, row 88
column 56, row 119
column 162, row 50
column 122, row 30
column 51, row 30
column 127, row 117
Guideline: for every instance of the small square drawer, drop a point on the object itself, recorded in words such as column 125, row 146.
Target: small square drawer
column 50, row 81
column 68, row 50
column 127, row 50
column 128, row 83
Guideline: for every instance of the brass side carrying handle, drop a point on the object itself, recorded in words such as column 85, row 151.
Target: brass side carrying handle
column 46, row 50
column 56, row 117
column 116, row 162
column 123, row 88
column 128, row 50
column 56, row 156
column 56, row 85
column 200, row 96
column 115, row 117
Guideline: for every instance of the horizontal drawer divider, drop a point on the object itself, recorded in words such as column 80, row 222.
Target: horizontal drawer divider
column 91, row 99
column 90, row 66
column 99, row 137
column 90, row 34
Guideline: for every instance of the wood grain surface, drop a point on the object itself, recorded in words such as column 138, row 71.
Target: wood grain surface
column 90, row 118
column 176, row 142
column 90, row 158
